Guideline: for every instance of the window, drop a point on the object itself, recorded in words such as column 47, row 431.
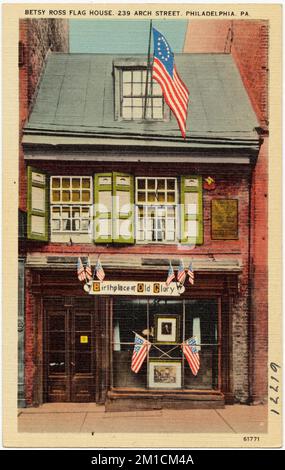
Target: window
column 71, row 202
column 156, row 210
column 133, row 92
column 114, row 208
column 195, row 317
column 130, row 92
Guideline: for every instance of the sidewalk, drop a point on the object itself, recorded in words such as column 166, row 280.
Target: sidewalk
column 89, row 417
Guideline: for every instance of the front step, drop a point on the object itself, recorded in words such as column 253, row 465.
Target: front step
column 130, row 400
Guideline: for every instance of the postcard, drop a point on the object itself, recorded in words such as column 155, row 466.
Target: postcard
column 142, row 225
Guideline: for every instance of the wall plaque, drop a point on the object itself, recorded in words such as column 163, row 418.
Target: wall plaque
column 224, row 219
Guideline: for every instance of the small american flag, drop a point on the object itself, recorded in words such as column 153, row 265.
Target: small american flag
column 181, row 274
column 164, row 72
column 190, row 273
column 141, row 349
column 170, row 275
column 80, row 270
column 192, row 355
column 99, row 271
column 88, row 270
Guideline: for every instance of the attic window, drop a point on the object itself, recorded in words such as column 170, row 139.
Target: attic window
column 131, row 96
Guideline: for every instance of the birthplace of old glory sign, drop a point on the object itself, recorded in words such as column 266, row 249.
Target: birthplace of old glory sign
column 134, row 288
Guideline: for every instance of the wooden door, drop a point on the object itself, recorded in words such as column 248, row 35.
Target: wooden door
column 70, row 351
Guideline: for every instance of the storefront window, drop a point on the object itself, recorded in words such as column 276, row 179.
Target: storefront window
column 166, row 324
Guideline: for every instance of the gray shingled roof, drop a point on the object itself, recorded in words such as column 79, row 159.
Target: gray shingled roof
column 76, row 97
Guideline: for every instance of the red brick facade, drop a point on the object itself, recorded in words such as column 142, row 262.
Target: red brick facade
column 36, row 39
column 247, row 41
column 250, row 250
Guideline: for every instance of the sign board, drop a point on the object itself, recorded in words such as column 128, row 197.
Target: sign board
column 134, row 288
column 224, row 219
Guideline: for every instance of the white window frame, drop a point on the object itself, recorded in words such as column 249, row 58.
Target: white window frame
column 147, row 206
column 125, row 65
column 62, row 235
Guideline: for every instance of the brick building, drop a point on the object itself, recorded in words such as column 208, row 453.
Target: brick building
column 36, row 40
column 247, row 42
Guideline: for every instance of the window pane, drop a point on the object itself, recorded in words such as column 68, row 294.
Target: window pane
column 55, row 225
column 66, row 196
column 55, row 196
column 75, row 196
column 56, row 322
column 82, row 362
column 137, row 76
column 55, row 182
column 129, row 316
column 137, row 113
column 151, row 197
column 157, row 113
column 170, row 197
column 86, row 196
column 170, row 184
column 160, row 184
column 65, row 212
column 57, row 341
column 141, row 184
column 161, row 197
column 156, row 90
column 66, row 182
column 137, row 89
column 138, row 102
column 85, row 182
column 127, row 89
column 127, row 113
column 127, row 76
column 76, row 183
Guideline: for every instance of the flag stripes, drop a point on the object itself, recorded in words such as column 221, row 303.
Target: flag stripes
column 192, row 355
column 80, row 270
column 141, row 349
column 88, row 270
column 176, row 98
column 100, row 274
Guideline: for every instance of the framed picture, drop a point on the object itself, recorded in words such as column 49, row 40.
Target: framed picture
column 166, row 329
column 164, row 374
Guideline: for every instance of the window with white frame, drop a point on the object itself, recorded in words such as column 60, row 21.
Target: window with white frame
column 156, row 210
column 71, row 202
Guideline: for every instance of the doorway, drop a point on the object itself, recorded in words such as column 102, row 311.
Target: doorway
column 69, row 350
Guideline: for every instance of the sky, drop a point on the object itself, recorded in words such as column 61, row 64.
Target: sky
column 122, row 36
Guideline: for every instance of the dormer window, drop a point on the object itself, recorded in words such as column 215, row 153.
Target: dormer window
column 131, row 103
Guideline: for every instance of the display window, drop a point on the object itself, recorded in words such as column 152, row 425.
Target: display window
column 166, row 324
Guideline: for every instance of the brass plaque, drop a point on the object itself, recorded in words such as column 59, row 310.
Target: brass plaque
column 224, row 219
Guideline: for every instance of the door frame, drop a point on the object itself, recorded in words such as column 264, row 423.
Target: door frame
column 68, row 306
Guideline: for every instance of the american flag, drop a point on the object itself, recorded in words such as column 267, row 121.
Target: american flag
column 170, row 275
column 190, row 273
column 181, row 274
column 141, row 349
column 164, row 72
column 88, row 270
column 99, row 271
column 192, row 355
column 80, row 270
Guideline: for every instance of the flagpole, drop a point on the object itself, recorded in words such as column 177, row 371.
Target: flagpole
column 147, row 69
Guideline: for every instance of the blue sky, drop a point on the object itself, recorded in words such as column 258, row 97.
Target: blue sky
column 122, row 36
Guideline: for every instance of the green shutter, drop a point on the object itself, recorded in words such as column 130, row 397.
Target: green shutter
column 123, row 208
column 38, row 207
column 191, row 210
column 102, row 214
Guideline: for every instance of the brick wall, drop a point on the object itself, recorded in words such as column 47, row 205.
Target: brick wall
column 37, row 38
column 247, row 41
column 235, row 185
